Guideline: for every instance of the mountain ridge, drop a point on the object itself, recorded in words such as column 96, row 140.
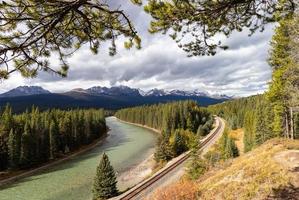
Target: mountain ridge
column 99, row 97
column 112, row 91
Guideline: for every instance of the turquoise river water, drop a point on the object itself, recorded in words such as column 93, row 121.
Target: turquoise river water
column 126, row 145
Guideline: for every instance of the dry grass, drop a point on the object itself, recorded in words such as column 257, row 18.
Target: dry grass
column 253, row 175
column 238, row 136
column 184, row 190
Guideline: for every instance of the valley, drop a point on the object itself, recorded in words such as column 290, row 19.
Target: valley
column 149, row 100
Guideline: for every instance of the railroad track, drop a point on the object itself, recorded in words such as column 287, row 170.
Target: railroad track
column 136, row 191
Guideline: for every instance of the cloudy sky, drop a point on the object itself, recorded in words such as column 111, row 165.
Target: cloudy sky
column 241, row 71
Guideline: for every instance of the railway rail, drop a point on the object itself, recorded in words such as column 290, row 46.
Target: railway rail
column 134, row 192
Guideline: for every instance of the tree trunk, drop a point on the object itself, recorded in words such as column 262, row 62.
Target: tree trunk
column 292, row 123
column 287, row 135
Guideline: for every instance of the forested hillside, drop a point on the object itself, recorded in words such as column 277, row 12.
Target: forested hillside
column 35, row 137
column 268, row 115
column 180, row 123
column 254, row 114
column 185, row 115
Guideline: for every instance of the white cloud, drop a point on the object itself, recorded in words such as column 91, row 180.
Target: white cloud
column 242, row 70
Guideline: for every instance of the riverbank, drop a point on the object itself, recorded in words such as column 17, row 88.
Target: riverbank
column 143, row 170
column 13, row 176
column 140, row 125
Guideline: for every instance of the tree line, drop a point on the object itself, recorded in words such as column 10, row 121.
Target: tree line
column 181, row 124
column 254, row 114
column 259, row 117
column 185, row 115
column 35, row 137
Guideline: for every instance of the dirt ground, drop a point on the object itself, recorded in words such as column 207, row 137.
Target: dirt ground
column 290, row 160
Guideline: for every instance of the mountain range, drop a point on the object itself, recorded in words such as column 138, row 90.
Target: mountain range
column 113, row 98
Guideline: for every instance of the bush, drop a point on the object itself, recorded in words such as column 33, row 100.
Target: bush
column 197, row 167
column 213, row 157
column 183, row 190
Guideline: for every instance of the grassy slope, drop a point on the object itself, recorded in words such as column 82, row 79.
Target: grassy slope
column 238, row 136
column 254, row 175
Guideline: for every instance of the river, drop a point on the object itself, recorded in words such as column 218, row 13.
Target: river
column 126, row 145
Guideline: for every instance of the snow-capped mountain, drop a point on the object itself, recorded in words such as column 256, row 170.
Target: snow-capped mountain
column 114, row 91
column 79, row 90
column 25, row 91
column 221, row 96
column 156, row 92
column 187, row 93
column 193, row 93
column 123, row 90
column 142, row 92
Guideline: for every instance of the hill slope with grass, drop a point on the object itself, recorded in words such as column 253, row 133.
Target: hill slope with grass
column 270, row 171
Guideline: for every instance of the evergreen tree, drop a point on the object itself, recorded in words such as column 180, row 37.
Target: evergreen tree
column 3, row 153
column 179, row 143
column 264, row 122
column 164, row 151
column 6, row 122
column 104, row 186
column 25, row 147
column 67, row 128
column 284, row 88
column 45, row 145
column 249, row 133
column 13, row 149
column 53, row 133
column 88, row 127
column 234, row 123
column 228, row 147
column 223, row 143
